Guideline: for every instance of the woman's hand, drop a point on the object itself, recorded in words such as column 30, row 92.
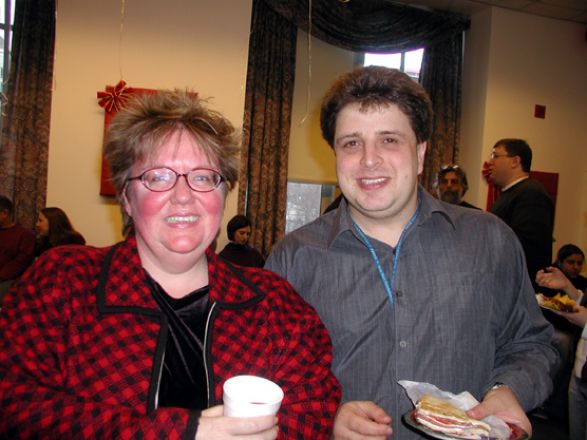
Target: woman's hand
column 214, row 426
column 553, row 278
column 577, row 317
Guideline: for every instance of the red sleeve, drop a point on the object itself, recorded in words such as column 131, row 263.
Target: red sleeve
column 34, row 344
column 25, row 250
column 312, row 392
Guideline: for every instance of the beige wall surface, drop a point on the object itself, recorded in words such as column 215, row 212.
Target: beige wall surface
column 317, row 64
column 201, row 45
column 513, row 62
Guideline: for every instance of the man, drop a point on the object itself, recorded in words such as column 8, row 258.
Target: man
column 451, row 185
column 409, row 287
column 523, row 204
column 17, row 247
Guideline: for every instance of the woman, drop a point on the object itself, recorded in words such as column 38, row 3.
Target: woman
column 238, row 251
column 554, row 278
column 55, row 229
column 570, row 260
column 136, row 340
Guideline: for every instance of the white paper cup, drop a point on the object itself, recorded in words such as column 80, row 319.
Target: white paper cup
column 251, row 396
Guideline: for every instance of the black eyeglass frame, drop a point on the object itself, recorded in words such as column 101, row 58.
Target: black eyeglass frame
column 141, row 177
column 494, row 156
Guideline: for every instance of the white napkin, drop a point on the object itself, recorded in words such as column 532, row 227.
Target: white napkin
column 464, row 401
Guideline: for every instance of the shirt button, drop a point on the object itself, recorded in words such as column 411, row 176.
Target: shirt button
column 403, row 344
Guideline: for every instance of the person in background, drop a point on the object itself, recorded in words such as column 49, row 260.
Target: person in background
column 411, row 288
column 17, row 246
column 554, row 278
column 570, row 259
column 524, row 204
column 238, row 250
column 451, row 185
column 55, row 229
column 136, row 340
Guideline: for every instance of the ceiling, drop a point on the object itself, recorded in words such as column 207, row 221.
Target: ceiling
column 569, row 10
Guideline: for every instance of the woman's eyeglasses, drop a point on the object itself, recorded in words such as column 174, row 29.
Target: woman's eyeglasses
column 164, row 179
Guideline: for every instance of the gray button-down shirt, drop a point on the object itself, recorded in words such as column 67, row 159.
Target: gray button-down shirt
column 464, row 314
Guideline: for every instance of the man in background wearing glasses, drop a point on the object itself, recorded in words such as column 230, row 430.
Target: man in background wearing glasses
column 523, row 204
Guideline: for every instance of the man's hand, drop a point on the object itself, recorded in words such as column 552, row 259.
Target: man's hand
column 214, row 426
column 357, row 420
column 502, row 403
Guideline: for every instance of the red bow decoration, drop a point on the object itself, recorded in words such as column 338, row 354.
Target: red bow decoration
column 113, row 98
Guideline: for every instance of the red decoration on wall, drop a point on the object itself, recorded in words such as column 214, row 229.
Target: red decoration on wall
column 112, row 99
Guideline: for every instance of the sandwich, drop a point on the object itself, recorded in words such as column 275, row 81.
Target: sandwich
column 442, row 416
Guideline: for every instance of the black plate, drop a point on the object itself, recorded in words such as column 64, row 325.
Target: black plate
column 408, row 418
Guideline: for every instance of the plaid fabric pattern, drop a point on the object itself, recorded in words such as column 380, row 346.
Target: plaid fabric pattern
column 81, row 344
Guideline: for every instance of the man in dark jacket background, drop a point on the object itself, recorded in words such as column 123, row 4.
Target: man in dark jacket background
column 523, row 204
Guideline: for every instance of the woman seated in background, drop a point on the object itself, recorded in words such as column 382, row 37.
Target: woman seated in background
column 570, row 260
column 553, row 278
column 136, row 340
column 55, row 229
column 238, row 250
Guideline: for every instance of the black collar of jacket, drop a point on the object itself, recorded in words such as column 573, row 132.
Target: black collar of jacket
column 245, row 295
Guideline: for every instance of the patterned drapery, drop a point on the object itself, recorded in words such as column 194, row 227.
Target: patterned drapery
column 441, row 76
column 361, row 26
column 266, row 126
column 24, row 140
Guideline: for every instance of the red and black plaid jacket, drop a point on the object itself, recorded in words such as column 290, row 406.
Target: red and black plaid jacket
column 82, row 341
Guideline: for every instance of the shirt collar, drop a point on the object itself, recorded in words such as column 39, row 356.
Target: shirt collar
column 342, row 221
column 515, row 182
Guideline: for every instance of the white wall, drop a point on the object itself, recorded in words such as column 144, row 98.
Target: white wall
column 512, row 62
column 202, row 45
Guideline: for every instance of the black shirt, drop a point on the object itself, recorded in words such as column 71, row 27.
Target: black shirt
column 183, row 380
column 242, row 254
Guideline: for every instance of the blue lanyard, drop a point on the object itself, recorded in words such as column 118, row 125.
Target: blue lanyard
column 388, row 283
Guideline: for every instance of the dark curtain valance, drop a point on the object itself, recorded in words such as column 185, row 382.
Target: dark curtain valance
column 371, row 25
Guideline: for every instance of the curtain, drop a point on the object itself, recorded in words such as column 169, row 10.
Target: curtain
column 370, row 25
column 266, row 126
column 441, row 76
column 356, row 25
column 24, row 140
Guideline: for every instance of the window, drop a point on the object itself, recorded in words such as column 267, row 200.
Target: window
column 409, row 62
column 6, row 22
column 306, row 201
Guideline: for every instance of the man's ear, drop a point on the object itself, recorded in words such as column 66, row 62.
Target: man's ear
column 516, row 162
column 421, row 153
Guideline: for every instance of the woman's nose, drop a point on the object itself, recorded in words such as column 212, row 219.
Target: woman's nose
column 182, row 191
